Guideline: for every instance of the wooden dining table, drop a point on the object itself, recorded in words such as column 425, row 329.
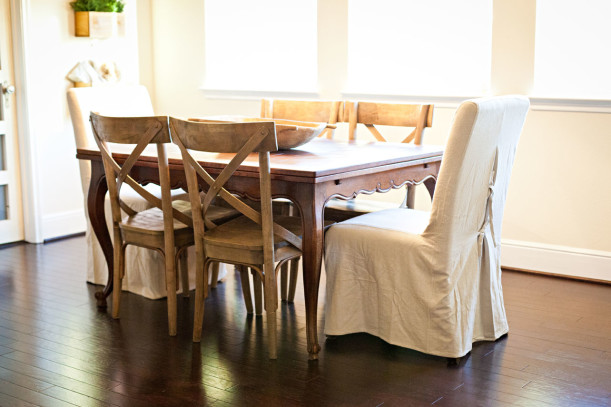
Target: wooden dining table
column 308, row 175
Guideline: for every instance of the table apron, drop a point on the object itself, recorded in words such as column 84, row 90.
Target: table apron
column 384, row 181
column 340, row 187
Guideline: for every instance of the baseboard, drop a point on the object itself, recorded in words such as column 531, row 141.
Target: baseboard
column 537, row 257
column 64, row 237
column 557, row 260
column 63, row 224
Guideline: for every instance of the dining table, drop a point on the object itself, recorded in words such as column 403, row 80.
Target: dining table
column 309, row 176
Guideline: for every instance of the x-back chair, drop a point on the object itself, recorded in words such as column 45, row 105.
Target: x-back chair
column 322, row 111
column 330, row 112
column 256, row 239
column 372, row 114
column 145, row 274
column 167, row 226
column 145, row 228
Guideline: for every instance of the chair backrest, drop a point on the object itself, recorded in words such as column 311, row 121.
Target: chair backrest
column 124, row 100
column 475, row 171
column 139, row 131
column 388, row 114
column 241, row 139
column 329, row 112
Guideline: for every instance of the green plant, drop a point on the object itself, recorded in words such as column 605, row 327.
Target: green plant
column 98, row 5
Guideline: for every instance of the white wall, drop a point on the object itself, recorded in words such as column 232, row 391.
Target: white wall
column 558, row 214
column 51, row 51
column 558, row 210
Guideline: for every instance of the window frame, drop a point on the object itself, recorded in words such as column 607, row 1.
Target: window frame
column 212, row 89
column 332, row 69
column 568, row 102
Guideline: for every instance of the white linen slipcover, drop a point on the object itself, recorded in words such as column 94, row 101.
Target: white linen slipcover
column 432, row 281
column 145, row 268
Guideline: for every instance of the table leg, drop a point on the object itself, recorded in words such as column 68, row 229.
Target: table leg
column 311, row 205
column 430, row 184
column 95, row 209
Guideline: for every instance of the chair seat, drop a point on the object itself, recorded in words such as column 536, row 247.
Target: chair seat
column 280, row 206
column 146, row 228
column 241, row 240
column 135, row 201
column 339, row 209
column 403, row 220
column 360, row 206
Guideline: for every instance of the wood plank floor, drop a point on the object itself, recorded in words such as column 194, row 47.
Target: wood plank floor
column 57, row 349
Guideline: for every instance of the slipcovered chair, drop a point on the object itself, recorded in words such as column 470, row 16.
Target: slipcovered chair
column 145, row 268
column 432, row 281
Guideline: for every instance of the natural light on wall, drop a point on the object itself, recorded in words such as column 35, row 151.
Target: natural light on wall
column 415, row 47
column 265, row 45
column 573, row 49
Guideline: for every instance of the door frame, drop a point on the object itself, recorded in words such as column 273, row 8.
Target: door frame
column 30, row 192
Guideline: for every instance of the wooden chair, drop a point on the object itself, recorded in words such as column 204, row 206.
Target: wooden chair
column 253, row 240
column 145, row 273
column 431, row 281
column 167, row 226
column 330, row 112
column 382, row 114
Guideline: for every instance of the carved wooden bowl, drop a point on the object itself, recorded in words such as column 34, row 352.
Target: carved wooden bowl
column 289, row 133
column 292, row 133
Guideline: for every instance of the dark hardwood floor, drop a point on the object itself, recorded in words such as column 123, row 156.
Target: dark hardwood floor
column 57, row 349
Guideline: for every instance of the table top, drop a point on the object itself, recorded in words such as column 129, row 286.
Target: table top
column 318, row 160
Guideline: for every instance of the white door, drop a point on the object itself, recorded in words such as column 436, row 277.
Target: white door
column 11, row 213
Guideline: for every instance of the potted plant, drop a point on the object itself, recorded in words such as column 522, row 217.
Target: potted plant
column 97, row 18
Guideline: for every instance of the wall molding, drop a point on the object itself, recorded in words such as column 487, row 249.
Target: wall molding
column 570, row 105
column 30, row 193
column 440, row 101
column 555, row 259
column 237, row 94
column 63, row 224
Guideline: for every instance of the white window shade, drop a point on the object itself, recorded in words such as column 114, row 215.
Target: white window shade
column 573, row 49
column 433, row 47
column 265, row 45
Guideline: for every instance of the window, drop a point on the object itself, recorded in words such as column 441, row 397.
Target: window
column 414, row 47
column 573, row 49
column 261, row 45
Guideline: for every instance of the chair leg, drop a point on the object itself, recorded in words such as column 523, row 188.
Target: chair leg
column 245, row 288
column 410, row 197
column 271, row 333
column 284, row 270
column 119, row 272
column 453, row 361
column 293, row 284
column 215, row 274
column 184, row 273
column 200, row 288
column 257, row 288
column 271, row 304
column 170, row 285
